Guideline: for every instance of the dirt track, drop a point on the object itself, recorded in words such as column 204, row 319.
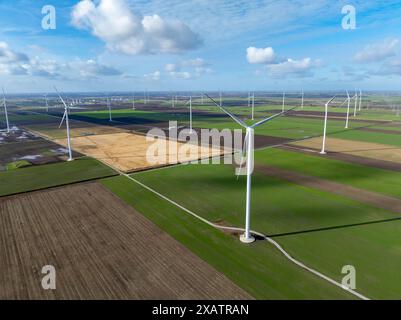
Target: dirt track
column 99, row 251
column 364, row 196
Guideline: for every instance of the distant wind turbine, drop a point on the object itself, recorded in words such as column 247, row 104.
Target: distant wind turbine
column 5, row 110
column 325, row 126
column 65, row 116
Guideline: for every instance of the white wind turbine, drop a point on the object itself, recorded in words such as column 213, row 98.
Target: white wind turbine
column 360, row 100
column 65, row 116
column 133, row 101
column 356, row 102
column 5, row 110
column 283, row 101
column 253, row 106
column 325, row 126
column 190, row 114
column 302, row 104
column 349, row 104
column 248, row 150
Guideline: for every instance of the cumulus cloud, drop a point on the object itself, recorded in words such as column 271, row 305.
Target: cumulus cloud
column 188, row 69
column 15, row 63
column 300, row 68
column 377, row 52
column 181, row 75
column 123, row 31
column 7, row 55
column 154, row 76
column 91, row 68
column 280, row 68
column 260, row 55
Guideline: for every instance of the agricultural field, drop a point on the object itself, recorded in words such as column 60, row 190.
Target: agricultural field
column 305, row 225
column 59, row 231
column 345, row 206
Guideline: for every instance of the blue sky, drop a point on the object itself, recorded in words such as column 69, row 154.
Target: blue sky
column 124, row 45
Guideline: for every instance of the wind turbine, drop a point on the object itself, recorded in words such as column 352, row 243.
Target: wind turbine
column 221, row 101
column 283, row 101
column 248, row 149
column 5, row 110
column 133, row 101
column 349, row 104
column 190, row 114
column 302, row 104
column 360, row 100
column 253, row 106
column 65, row 116
column 325, row 126
column 356, row 102
column 249, row 99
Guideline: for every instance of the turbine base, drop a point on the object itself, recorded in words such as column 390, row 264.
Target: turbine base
column 69, row 160
column 323, row 152
column 248, row 240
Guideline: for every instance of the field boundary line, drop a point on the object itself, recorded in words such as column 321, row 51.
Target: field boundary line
column 273, row 242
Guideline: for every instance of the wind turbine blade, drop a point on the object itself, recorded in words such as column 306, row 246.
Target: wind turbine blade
column 346, row 99
column 236, row 119
column 61, row 98
column 62, row 120
column 272, row 117
column 328, row 102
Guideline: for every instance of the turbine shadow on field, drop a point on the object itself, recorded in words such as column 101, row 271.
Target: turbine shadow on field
column 331, row 228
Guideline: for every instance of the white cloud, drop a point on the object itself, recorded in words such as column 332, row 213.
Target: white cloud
column 377, row 52
column 15, row 63
column 280, row 68
column 300, row 68
column 181, row 75
column 91, row 68
column 193, row 68
column 7, row 55
column 113, row 22
column 260, row 55
column 197, row 62
column 170, row 67
column 154, row 76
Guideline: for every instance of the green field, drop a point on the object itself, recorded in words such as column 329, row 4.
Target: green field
column 359, row 176
column 261, row 269
column 372, row 246
column 51, row 175
column 285, row 127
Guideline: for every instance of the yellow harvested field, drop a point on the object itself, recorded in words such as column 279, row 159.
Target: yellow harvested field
column 356, row 148
column 127, row 152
